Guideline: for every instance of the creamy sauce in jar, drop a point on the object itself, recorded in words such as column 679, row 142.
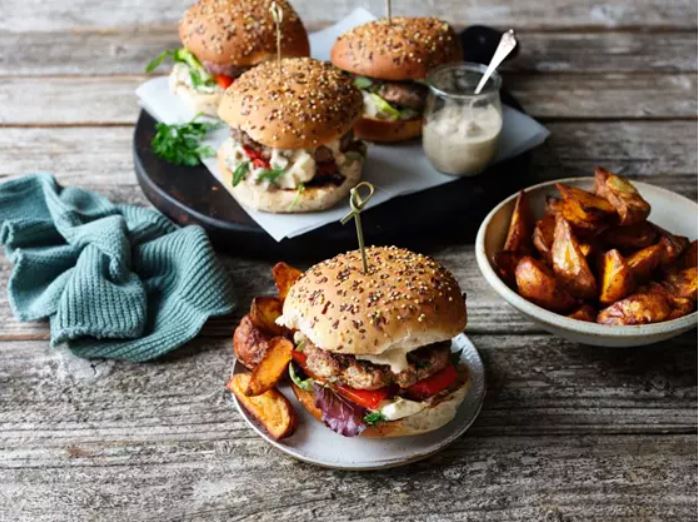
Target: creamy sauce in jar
column 462, row 139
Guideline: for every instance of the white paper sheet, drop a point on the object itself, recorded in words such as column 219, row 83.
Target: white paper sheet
column 394, row 170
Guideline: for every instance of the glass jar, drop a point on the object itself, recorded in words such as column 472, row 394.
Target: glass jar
column 461, row 129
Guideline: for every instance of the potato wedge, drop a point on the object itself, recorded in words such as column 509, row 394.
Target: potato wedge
column 617, row 279
column 682, row 283
column 537, row 283
column 520, row 227
column 569, row 264
column 584, row 313
column 645, row 261
column 505, row 264
column 271, row 409
column 674, row 247
column 641, row 308
column 544, row 234
column 587, row 212
column 250, row 343
column 630, row 237
column 689, row 257
column 271, row 368
column 284, row 277
column 629, row 204
column 264, row 311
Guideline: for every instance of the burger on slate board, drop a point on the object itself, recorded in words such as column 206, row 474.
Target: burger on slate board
column 224, row 38
column 372, row 350
column 388, row 59
column 291, row 147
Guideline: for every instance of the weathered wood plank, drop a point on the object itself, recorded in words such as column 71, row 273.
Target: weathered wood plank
column 35, row 15
column 563, row 434
column 127, row 52
column 111, row 100
column 661, row 152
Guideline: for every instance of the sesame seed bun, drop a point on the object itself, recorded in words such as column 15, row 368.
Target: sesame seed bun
column 429, row 419
column 406, row 301
column 240, row 32
column 386, row 131
column 289, row 201
column 303, row 103
column 403, row 49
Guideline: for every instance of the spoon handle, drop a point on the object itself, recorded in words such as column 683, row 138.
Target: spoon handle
column 506, row 45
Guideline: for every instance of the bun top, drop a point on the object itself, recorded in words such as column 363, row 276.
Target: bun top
column 402, row 49
column 406, row 301
column 240, row 32
column 303, row 103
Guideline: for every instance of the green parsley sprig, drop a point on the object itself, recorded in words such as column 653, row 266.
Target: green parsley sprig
column 180, row 144
column 374, row 417
column 270, row 175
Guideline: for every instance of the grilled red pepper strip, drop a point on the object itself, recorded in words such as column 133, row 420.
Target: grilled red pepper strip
column 224, row 81
column 256, row 157
column 434, row 383
column 369, row 399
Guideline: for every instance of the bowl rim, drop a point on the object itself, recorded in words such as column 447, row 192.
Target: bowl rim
column 557, row 320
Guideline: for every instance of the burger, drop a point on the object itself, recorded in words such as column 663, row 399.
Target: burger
column 390, row 59
column 372, row 350
column 291, row 147
column 222, row 39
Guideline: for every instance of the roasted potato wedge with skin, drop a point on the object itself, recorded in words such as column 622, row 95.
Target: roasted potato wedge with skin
column 271, row 409
column 673, row 247
column 645, row 261
column 584, row 313
column 544, row 234
column 682, row 283
column 271, row 368
column 264, row 311
column 629, row 204
column 570, row 264
column 250, row 343
column 617, row 279
column 689, row 258
column 587, row 212
column 537, row 283
column 641, row 308
column 505, row 264
column 520, row 227
column 284, row 277
column 630, row 237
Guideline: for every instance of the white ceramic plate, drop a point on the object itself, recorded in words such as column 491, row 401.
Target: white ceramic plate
column 313, row 442
column 671, row 211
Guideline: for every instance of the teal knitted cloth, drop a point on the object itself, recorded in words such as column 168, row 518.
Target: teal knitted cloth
column 115, row 281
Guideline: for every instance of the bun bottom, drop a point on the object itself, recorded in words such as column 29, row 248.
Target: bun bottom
column 385, row 131
column 281, row 201
column 427, row 420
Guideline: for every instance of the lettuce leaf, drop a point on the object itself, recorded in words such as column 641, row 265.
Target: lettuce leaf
column 384, row 107
column 339, row 414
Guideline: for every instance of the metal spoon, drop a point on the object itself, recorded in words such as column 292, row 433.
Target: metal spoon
column 506, row 45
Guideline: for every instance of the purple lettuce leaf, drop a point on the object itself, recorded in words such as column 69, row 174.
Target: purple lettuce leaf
column 339, row 414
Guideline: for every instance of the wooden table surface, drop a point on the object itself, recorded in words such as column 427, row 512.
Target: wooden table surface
column 568, row 432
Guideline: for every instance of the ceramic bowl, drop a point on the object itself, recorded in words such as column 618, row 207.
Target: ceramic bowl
column 671, row 211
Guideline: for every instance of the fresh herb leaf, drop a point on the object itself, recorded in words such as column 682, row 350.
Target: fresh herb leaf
column 270, row 175
column 361, row 82
column 385, row 108
column 157, row 61
column 180, row 144
column 299, row 192
column 240, row 172
column 303, row 384
column 374, row 417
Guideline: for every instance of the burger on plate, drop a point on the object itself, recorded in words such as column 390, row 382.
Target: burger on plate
column 372, row 351
column 222, row 39
column 291, row 147
column 390, row 59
